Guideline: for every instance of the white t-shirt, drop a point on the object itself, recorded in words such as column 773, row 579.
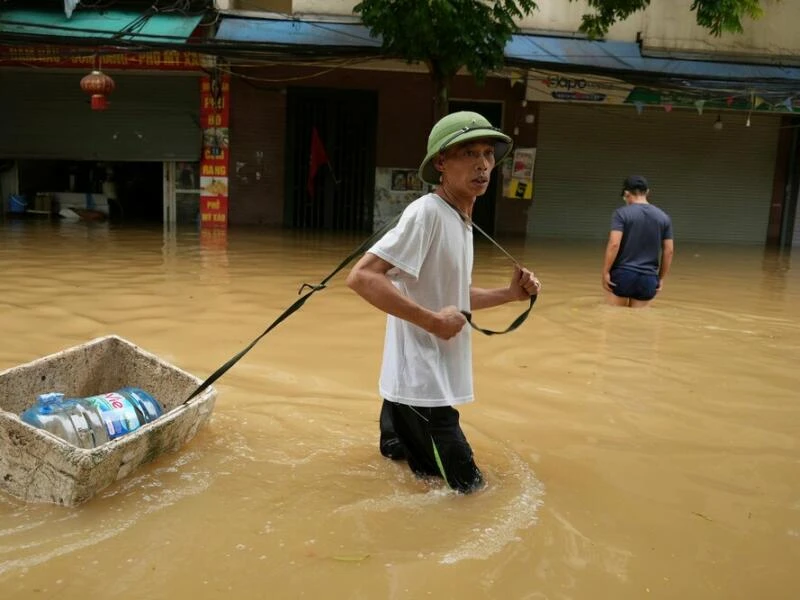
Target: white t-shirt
column 431, row 250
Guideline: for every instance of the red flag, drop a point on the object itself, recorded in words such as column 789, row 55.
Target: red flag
column 318, row 158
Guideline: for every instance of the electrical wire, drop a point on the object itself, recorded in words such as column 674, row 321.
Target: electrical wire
column 343, row 65
column 771, row 90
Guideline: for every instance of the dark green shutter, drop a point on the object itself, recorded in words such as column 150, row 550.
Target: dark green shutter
column 151, row 117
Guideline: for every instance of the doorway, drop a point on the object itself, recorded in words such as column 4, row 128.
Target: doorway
column 484, row 212
column 339, row 195
column 118, row 191
column 139, row 192
column 181, row 193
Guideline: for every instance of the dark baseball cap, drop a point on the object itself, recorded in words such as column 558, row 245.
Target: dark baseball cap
column 635, row 183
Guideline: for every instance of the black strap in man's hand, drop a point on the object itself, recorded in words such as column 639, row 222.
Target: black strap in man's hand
column 517, row 322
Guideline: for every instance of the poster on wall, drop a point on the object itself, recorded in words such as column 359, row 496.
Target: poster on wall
column 395, row 188
column 406, row 180
column 518, row 174
column 214, row 117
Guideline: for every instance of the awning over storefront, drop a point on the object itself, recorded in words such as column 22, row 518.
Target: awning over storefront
column 293, row 33
column 106, row 25
column 626, row 57
column 523, row 50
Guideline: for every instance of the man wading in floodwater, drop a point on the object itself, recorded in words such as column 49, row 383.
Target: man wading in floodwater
column 420, row 274
column 639, row 250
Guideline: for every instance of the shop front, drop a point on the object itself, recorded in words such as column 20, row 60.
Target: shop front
column 711, row 161
column 131, row 156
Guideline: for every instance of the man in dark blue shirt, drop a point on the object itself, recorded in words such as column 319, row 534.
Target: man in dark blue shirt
column 640, row 248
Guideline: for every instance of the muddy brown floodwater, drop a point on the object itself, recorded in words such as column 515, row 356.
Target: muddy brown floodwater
column 629, row 454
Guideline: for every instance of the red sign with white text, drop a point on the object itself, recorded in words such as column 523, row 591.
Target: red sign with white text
column 87, row 58
column 215, row 93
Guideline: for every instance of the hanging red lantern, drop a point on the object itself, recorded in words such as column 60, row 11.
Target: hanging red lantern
column 99, row 85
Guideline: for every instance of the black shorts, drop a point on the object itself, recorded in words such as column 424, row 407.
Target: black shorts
column 435, row 445
column 632, row 284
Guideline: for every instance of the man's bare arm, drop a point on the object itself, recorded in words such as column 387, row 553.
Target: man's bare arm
column 612, row 249
column 369, row 280
column 522, row 286
column 667, row 251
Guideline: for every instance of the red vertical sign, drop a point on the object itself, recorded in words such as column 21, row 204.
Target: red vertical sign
column 215, row 95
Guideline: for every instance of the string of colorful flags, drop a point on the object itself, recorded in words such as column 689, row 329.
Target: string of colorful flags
column 753, row 103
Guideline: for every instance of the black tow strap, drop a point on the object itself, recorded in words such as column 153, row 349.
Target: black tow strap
column 312, row 289
column 516, row 323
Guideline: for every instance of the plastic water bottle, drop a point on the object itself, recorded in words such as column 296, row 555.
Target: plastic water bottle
column 89, row 422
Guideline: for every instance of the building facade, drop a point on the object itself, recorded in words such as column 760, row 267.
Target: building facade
column 325, row 132
column 133, row 149
column 710, row 121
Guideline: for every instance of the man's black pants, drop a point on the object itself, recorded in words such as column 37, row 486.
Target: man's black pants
column 433, row 443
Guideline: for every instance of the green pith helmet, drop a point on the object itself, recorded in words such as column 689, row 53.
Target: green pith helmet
column 458, row 128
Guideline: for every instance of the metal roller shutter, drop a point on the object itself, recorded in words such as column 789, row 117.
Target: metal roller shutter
column 716, row 185
column 149, row 118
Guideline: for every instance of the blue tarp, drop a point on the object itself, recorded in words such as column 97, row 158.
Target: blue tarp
column 553, row 53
